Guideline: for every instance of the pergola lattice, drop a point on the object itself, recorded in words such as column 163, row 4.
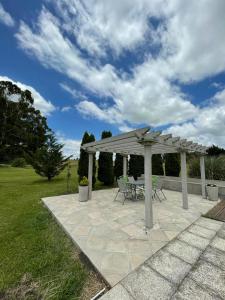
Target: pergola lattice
column 146, row 142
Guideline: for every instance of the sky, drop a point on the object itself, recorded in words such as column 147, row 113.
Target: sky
column 119, row 65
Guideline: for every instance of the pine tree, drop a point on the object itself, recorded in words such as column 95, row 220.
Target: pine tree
column 157, row 166
column 83, row 161
column 172, row 164
column 48, row 160
column 136, row 166
column 105, row 164
column 118, row 167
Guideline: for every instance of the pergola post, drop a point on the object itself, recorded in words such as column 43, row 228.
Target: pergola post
column 148, row 185
column 184, row 179
column 90, row 173
column 124, row 165
column 202, row 170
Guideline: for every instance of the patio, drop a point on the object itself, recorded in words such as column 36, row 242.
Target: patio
column 113, row 236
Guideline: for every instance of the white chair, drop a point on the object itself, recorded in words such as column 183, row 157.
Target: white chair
column 125, row 189
column 157, row 190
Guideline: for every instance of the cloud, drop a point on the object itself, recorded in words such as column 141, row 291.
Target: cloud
column 175, row 42
column 45, row 106
column 208, row 126
column 5, row 17
column 73, row 92
column 71, row 146
column 66, row 108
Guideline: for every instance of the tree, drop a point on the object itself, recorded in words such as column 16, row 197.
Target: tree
column 83, row 160
column 157, row 166
column 215, row 150
column 136, row 166
column 22, row 127
column 172, row 164
column 118, row 167
column 48, row 160
column 105, row 164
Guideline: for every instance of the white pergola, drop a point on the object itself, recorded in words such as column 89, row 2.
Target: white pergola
column 146, row 142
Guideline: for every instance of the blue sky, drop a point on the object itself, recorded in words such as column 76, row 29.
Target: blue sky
column 119, row 65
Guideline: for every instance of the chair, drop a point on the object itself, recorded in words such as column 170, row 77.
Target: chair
column 131, row 179
column 157, row 189
column 124, row 189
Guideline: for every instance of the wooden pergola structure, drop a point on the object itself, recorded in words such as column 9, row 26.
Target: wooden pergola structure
column 146, row 142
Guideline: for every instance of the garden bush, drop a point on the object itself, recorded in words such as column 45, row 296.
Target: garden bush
column 214, row 167
column 19, row 162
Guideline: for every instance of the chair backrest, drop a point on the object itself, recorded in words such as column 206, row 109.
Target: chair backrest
column 131, row 179
column 122, row 185
column 155, row 180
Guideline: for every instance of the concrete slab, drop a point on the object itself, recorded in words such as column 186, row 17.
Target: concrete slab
column 189, row 290
column 119, row 292
column 201, row 231
column 184, row 251
column 221, row 233
column 218, row 243
column 169, row 266
column 194, row 240
column 215, row 257
column 146, row 284
column 209, row 276
column 209, row 223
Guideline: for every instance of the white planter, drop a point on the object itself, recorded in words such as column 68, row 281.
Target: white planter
column 212, row 192
column 83, row 193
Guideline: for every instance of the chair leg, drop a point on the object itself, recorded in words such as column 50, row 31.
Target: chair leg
column 158, row 196
column 163, row 194
column 116, row 195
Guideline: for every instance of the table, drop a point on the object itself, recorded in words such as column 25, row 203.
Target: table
column 135, row 184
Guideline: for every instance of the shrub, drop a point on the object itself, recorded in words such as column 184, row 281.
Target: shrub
column 214, row 167
column 84, row 181
column 118, row 167
column 172, row 164
column 19, row 162
column 136, row 166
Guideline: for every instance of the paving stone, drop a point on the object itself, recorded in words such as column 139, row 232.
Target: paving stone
column 194, row 240
column 116, row 263
column 184, row 251
column 169, row 266
column 204, row 232
column 218, row 243
column 189, row 290
column 118, row 292
column 221, row 233
column 209, row 276
column 215, row 256
column 209, row 223
column 145, row 284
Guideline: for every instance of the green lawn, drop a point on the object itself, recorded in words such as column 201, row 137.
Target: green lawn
column 37, row 260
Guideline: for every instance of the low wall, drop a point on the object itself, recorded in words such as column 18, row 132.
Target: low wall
column 193, row 185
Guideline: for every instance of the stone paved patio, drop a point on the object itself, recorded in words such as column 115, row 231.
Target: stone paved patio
column 112, row 235
column 183, row 269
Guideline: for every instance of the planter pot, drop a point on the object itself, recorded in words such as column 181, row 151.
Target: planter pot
column 212, row 192
column 83, row 193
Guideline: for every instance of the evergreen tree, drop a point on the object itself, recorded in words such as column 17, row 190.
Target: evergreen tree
column 157, row 166
column 172, row 164
column 22, row 127
column 215, row 151
column 83, row 160
column 48, row 160
column 105, row 164
column 118, row 167
column 136, row 165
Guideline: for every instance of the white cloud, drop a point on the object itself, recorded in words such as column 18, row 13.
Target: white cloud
column 73, row 92
column 66, row 108
column 71, row 146
column 45, row 106
column 190, row 37
column 5, row 17
column 208, row 126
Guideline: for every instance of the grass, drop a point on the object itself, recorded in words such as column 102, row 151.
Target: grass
column 37, row 260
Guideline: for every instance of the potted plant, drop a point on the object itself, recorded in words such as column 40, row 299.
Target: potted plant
column 212, row 192
column 83, row 189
